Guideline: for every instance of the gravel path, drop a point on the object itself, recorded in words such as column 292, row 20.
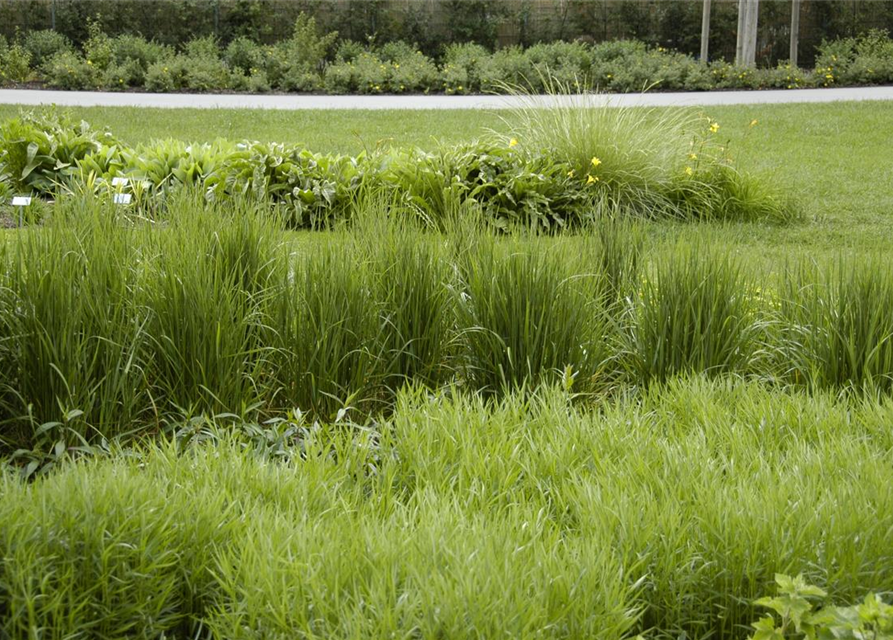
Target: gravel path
column 291, row 102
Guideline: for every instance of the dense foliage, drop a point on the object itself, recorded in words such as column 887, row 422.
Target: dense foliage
column 115, row 324
column 802, row 612
column 434, row 24
column 665, row 513
column 688, row 175
column 311, row 62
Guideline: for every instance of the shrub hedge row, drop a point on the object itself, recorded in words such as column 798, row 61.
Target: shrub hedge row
column 312, row 62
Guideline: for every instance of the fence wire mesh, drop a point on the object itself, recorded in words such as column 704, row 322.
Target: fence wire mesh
column 433, row 23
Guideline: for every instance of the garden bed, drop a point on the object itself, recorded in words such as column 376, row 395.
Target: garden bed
column 310, row 62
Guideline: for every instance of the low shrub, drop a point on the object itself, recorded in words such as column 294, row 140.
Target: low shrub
column 98, row 48
column 461, row 68
column 132, row 48
column 15, row 63
column 244, row 54
column 42, row 45
column 68, row 70
column 167, row 75
column 127, row 74
column 412, row 72
column 867, row 59
column 508, row 66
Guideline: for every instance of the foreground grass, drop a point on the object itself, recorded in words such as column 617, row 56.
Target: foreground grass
column 665, row 513
column 829, row 156
column 663, row 507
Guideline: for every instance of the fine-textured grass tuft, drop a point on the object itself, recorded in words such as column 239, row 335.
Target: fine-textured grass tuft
column 529, row 517
column 648, row 162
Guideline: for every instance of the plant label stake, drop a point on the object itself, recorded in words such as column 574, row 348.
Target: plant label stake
column 21, row 202
column 119, row 182
column 122, row 198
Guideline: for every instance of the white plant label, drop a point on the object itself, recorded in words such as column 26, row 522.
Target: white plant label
column 119, row 182
column 122, row 198
column 21, row 201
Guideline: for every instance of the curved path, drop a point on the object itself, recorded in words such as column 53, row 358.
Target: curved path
column 291, row 102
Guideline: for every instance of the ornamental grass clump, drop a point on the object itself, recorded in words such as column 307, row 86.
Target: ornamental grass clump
column 528, row 314
column 837, row 325
column 207, row 281
column 412, row 281
column 650, row 162
column 692, row 314
column 328, row 337
column 75, row 335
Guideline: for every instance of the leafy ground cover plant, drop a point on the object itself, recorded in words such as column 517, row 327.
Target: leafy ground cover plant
column 575, row 164
column 803, row 613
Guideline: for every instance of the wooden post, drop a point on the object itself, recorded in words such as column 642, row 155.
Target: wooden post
column 749, row 39
column 739, row 43
column 795, row 30
column 705, row 31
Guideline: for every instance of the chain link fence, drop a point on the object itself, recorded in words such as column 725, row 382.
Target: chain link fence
column 433, row 23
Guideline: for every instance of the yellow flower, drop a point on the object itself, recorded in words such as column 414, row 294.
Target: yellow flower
column 591, row 178
column 714, row 127
column 596, row 162
column 688, row 171
column 753, row 122
column 570, row 174
column 693, row 156
column 89, row 62
column 513, row 142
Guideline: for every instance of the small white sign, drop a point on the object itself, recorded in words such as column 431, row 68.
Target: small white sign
column 122, row 198
column 119, row 182
column 21, row 201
